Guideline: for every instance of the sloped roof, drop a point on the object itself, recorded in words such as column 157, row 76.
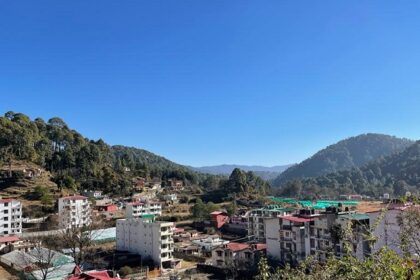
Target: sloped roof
column 4, row 239
column 235, row 247
column 296, row 219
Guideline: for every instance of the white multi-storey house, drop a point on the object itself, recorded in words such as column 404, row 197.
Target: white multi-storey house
column 10, row 217
column 140, row 208
column 256, row 217
column 151, row 239
column 74, row 211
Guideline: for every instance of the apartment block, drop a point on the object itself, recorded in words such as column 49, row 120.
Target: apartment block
column 255, row 218
column 74, row 211
column 292, row 238
column 10, row 217
column 140, row 208
column 151, row 239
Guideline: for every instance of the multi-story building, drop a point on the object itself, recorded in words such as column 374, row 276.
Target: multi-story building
column 256, row 217
column 140, row 208
column 340, row 233
column 74, row 211
column 292, row 238
column 239, row 256
column 10, row 217
column 151, row 239
column 287, row 236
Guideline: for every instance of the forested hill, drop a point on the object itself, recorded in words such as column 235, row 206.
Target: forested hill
column 345, row 155
column 76, row 160
column 394, row 174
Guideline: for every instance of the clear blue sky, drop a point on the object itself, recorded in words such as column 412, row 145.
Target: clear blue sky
column 210, row 82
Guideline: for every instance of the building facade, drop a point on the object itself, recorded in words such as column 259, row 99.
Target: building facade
column 151, row 239
column 237, row 255
column 74, row 211
column 10, row 217
column 140, row 208
column 292, row 238
column 256, row 218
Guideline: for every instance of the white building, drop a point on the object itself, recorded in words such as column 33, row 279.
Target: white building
column 140, row 208
column 256, row 217
column 208, row 243
column 92, row 193
column 74, row 211
column 170, row 197
column 10, row 217
column 151, row 239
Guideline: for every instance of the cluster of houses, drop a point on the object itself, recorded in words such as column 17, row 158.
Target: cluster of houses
column 285, row 234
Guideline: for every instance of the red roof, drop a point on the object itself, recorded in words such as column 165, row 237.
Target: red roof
column 178, row 230
column 5, row 200
column 296, row 219
column 218, row 213
column 234, row 246
column 4, row 239
column 260, row 246
column 74, row 197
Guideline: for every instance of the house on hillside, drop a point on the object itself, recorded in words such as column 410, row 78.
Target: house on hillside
column 238, row 255
column 219, row 218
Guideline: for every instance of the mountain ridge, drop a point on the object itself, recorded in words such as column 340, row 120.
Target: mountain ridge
column 344, row 155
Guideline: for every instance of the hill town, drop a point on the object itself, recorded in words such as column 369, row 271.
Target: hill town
column 74, row 208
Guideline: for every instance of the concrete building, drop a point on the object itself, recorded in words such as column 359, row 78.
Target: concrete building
column 10, row 217
column 148, row 238
column 140, row 208
column 208, row 243
column 256, row 217
column 237, row 255
column 287, row 236
column 292, row 238
column 74, row 211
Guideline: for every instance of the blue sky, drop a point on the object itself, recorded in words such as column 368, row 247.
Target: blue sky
column 211, row 82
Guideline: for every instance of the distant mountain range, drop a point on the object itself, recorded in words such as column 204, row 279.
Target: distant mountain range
column 345, row 155
column 267, row 173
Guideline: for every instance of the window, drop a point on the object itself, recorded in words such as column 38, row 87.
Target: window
column 6, row 211
column 219, row 253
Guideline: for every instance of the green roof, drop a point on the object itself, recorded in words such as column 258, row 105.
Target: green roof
column 148, row 216
column 355, row 216
column 319, row 204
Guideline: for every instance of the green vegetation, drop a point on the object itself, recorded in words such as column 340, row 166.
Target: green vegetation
column 201, row 211
column 385, row 264
column 345, row 155
column 239, row 184
column 395, row 174
column 77, row 162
